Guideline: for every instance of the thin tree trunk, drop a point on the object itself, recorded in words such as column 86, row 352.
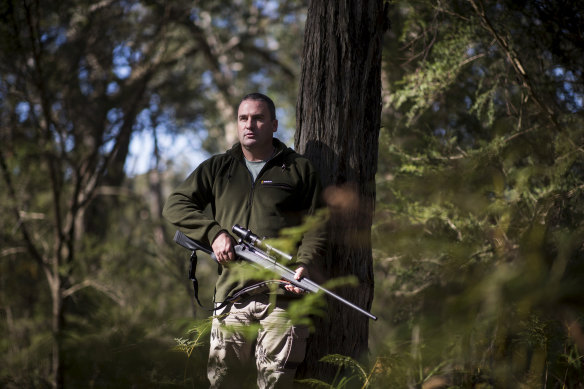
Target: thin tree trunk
column 57, row 329
column 338, row 121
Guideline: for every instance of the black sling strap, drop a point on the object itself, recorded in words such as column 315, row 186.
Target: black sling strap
column 193, row 276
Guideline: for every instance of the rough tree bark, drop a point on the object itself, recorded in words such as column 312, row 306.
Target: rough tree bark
column 338, row 120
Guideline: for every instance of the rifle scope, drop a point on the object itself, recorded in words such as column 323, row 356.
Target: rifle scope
column 254, row 240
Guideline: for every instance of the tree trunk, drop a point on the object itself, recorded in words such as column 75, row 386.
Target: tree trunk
column 57, row 378
column 338, row 121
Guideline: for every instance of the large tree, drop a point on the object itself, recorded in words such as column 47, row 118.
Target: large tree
column 338, row 121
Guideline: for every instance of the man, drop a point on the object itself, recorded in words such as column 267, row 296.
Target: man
column 264, row 186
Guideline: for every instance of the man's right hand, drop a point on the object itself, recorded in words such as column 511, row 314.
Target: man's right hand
column 223, row 248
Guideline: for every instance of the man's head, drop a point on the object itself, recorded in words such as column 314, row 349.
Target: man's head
column 261, row 97
column 256, row 124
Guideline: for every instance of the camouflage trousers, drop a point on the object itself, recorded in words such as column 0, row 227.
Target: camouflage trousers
column 254, row 330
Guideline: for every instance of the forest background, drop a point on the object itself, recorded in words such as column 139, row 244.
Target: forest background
column 478, row 236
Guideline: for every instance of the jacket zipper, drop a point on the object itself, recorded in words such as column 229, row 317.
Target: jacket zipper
column 253, row 183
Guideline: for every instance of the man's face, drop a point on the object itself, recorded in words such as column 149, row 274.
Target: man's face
column 255, row 126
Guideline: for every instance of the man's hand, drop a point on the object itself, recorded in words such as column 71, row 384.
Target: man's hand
column 301, row 272
column 223, row 248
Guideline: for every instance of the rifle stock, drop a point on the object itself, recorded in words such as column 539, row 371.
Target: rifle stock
column 191, row 244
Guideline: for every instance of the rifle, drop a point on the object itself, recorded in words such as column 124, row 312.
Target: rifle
column 252, row 249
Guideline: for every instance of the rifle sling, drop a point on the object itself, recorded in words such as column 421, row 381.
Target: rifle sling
column 252, row 290
column 193, row 276
column 248, row 291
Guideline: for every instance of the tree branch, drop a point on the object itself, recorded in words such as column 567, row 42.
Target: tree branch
column 514, row 60
column 96, row 285
column 20, row 222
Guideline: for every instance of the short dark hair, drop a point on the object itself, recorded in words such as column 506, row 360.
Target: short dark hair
column 265, row 99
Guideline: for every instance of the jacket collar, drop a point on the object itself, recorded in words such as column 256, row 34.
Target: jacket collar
column 280, row 149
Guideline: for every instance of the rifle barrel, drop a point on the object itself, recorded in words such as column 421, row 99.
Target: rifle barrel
column 256, row 256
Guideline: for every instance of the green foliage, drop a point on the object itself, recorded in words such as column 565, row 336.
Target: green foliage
column 198, row 336
column 478, row 232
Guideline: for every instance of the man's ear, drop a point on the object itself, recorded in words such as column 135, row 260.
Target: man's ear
column 275, row 125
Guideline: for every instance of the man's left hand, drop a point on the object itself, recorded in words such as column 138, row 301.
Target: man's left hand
column 301, row 272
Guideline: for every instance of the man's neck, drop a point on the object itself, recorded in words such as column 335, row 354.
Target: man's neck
column 257, row 156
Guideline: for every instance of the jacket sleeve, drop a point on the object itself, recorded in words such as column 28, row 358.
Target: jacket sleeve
column 188, row 205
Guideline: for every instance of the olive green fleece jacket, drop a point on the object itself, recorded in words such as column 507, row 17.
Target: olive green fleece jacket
column 220, row 193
